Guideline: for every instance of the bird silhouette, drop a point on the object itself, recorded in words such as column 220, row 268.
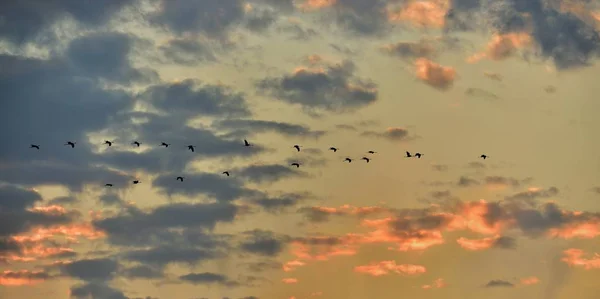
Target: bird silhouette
column 108, row 142
column 408, row 155
column 418, row 155
column 246, row 143
column 333, row 149
column 371, row 152
column 136, row 143
column 136, row 182
column 108, row 185
column 70, row 143
column 366, row 159
column 297, row 147
column 179, row 178
column 164, row 144
column 226, row 173
column 483, row 157
column 191, row 147
column 348, row 159
column 295, row 164
column 34, row 146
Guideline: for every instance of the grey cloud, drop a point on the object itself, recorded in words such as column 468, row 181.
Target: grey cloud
column 334, row 90
column 363, row 18
column 261, row 266
column 212, row 18
column 297, row 31
column 63, row 200
column 476, row 165
column 247, row 126
column 395, row 134
column 505, row 242
column 188, row 51
column 346, row 127
column 464, row 181
column 96, row 290
column 110, row 199
column 412, row 50
column 280, row 203
column 440, row 167
column 531, row 195
column 25, row 21
column 268, row 173
column 218, row 186
column 499, row 283
column 480, row 93
column 143, row 272
column 260, row 20
column 164, row 255
column 506, row 181
column 191, row 98
column 106, row 55
column 92, row 269
column 13, row 198
column 209, row 278
column 264, row 243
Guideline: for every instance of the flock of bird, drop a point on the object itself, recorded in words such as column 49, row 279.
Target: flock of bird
column 246, row 143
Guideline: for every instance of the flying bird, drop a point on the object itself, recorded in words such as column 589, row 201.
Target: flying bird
column 34, row 146
column 333, row 149
column 72, row 144
column 136, row 182
column 348, row 159
column 108, row 142
column 246, row 143
column 296, row 164
column 418, row 155
column 483, row 157
column 408, row 155
column 191, row 147
column 371, row 152
column 136, row 143
column 226, row 173
column 164, row 144
column 366, row 159
column 108, row 185
column 297, row 147
column 179, row 178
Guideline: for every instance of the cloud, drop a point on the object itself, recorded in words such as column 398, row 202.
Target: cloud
column 30, row 21
column 464, row 181
column 331, row 89
column 289, row 280
column 435, row 75
column 142, row 272
column 95, row 290
column 480, row 93
column 267, row 173
column 253, row 126
column 23, row 277
column 106, row 55
column 388, row 267
column 263, row 243
column 503, row 46
column 424, row 14
column 191, row 51
column 439, row 167
column 91, row 269
column 485, row 243
column 530, row 280
column 438, row 283
column 421, row 48
column 275, row 204
column 394, row 134
column 502, row 182
column 575, row 257
column 499, row 283
column 208, row 278
column 493, row 76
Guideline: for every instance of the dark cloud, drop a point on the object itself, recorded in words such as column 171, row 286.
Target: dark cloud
column 280, row 203
column 208, row 278
column 563, row 37
column 499, row 283
column 164, row 255
column 395, row 134
column 96, row 290
column 26, row 21
column 106, row 55
column 142, row 272
column 63, row 200
column 188, row 51
column 264, row 243
column 363, row 18
column 464, row 181
column 297, row 31
column 261, row 266
column 260, row 20
column 440, row 167
column 334, row 89
column 133, row 225
column 191, row 98
column 505, row 242
column 505, row 181
column 212, row 18
column 248, row 126
column 92, row 269
column 480, row 93
column 534, row 194
column 110, row 199
column 268, row 173
column 476, row 165
column 218, row 186
column 412, row 50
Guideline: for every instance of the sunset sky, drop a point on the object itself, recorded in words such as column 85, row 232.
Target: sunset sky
column 516, row 80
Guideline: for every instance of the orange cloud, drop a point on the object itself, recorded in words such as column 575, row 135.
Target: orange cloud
column 530, row 280
column 438, row 76
column 386, row 267
column 21, row 278
column 478, row 244
column 71, row 232
column 429, row 14
column 292, row 265
column 309, row 5
column 574, row 257
column 438, row 283
column 587, row 230
column 289, row 280
column 502, row 46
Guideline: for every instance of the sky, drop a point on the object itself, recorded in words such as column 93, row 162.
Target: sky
column 515, row 80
